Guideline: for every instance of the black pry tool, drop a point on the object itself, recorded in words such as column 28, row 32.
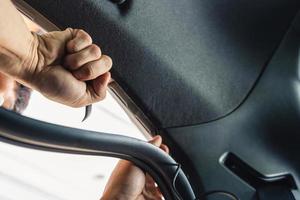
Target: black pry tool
column 88, row 112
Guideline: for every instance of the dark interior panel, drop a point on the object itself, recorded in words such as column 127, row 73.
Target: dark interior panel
column 183, row 62
column 262, row 135
column 189, row 62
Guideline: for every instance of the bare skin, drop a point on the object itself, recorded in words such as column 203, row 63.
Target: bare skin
column 129, row 182
column 57, row 64
column 68, row 68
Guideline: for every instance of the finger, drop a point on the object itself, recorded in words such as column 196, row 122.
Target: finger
column 98, row 87
column 151, row 191
column 150, row 182
column 80, row 41
column 93, row 69
column 156, row 141
column 165, row 148
column 76, row 60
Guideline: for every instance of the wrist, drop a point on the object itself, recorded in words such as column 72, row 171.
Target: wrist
column 20, row 66
column 29, row 65
column 12, row 62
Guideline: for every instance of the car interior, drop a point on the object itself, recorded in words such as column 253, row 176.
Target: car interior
column 218, row 80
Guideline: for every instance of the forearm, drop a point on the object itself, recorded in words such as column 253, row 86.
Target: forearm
column 16, row 41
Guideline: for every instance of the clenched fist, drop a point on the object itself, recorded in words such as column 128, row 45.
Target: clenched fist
column 65, row 66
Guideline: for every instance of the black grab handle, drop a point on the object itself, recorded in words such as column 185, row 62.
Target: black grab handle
column 24, row 131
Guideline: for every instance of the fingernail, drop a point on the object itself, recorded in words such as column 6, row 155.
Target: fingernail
column 156, row 141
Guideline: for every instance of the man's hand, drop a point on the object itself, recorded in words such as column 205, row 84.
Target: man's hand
column 128, row 182
column 65, row 66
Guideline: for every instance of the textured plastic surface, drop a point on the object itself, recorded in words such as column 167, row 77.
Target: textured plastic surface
column 182, row 61
column 263, row 131
column 275, row 193
column 188, row 62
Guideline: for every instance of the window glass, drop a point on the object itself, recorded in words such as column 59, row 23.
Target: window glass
column 39, row 175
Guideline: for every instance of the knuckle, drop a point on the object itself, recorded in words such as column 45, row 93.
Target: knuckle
column 85, row 36
column 95, row 50
column 70, row 30
column 72, row 45
column 80, row 31
column 108, row 61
